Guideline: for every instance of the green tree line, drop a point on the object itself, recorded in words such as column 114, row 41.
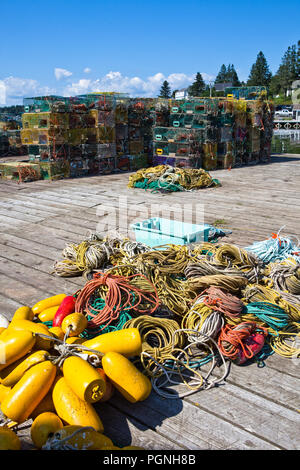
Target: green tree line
column 260, row 75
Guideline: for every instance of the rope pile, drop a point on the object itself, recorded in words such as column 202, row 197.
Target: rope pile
column 119, row 293
column 197, row 307
column 95, row 253
column 167, row 178
column 275, row 249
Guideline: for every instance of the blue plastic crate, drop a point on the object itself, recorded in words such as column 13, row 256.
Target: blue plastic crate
column 157, row 231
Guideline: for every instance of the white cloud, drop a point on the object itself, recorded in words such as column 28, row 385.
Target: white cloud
column 2, row 92
column 135, row 86
column 78, row 88
column 16, row 88
column 13, row 89
column 87, row 70
column 61, row 73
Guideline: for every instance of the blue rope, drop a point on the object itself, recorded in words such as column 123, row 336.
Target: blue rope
column 273, row 249
column 269, row 313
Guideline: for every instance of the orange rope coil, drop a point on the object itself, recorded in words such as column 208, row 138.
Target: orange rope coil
column 119, row 292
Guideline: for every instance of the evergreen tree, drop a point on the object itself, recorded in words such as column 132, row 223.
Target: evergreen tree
column 165, row 91
column 260, row 74
column 197, row 88
column 298, row 60
column 232, row 76
column 228, row 74
column 288, row 71
column 221, row 77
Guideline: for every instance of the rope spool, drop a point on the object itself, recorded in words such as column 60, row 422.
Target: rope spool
column 168, row 178
column 119, row 292
column 269, row 314
column 260, row 293
column 204, row 321
column 233, row 341
column 223, row 302
column 232, row 283
column 281, row 343
column 160, row 341
column 286, row 278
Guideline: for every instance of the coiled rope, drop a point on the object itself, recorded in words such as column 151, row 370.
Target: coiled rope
column 232, row 340
column 119, row 292
column 224, row 302
column 168, row 178
column 275, row 249
column 166, row 356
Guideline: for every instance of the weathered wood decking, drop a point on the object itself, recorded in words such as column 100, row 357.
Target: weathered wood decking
column 256, row 408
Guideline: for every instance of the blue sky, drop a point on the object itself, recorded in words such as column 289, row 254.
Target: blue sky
column 70, row 46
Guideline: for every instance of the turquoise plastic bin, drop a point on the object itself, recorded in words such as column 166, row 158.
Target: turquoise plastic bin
column 157, row 231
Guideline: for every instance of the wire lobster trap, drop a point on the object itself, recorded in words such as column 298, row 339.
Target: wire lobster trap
column 45, row 120
column 122, row 163
column 177, row 106
column 136, row 146
column 54, row 170
column 20, row 171
column 210, row 156
column 52, row 103
column 105, row 118
column 195, row 106
column 136, row 162
column 173, row 149
column 106, row 134
column 105, row 165
column 83, row 120
column 43, row 137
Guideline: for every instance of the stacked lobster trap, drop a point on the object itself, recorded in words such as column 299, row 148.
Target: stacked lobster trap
column 102, row 133
column 10, row 138
column 212, row 133
column 96, row 133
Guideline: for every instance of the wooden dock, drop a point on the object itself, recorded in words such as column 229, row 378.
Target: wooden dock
column 256, row 408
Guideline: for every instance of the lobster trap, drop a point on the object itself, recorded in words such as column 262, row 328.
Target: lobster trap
column 105, row 165
column 43, row 137
column 45, row 120
column 136, row 162
column 122, row 163
column 55, row 170
column 51, row 103
column 20, row 171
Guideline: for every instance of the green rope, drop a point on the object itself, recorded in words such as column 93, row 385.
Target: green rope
column 92, row 332
column 158, row 185
column 98, row 304
column 269, row 313
column 49, row 324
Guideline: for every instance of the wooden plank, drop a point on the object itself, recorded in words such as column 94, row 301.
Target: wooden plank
column 10, row 212
column 191, row 426
column 26, row 209
column 284, row 365
column 31, row 246
column 36, row 262
column 45, row 282
column 41, row 237
column 65, row 224
column 57, row 198
column 48, row 235
column 20, row 292
column 282, row 388
column 254, row 413
column 47, row 206
column 125, row 430
column 9, row 306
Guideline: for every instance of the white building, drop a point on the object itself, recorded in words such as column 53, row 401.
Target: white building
column 181, row 94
